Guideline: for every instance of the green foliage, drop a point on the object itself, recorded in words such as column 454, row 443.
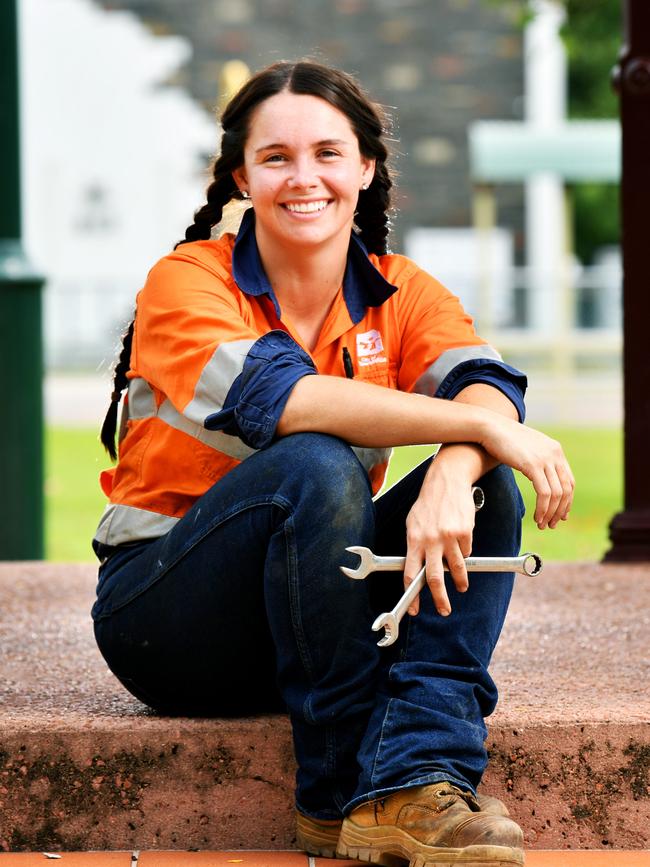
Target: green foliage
column 593, row 37
column 593, row 34
column 596, row 209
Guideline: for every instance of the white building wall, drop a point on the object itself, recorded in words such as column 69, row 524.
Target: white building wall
column 114, row 165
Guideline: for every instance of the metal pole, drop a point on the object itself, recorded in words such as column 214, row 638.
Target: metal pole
column 21, row 426
column 630, row 529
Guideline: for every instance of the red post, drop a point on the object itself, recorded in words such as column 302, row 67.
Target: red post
column 630, row 529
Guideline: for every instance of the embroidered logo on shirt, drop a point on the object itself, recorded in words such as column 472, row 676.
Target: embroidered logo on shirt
column 370, row 348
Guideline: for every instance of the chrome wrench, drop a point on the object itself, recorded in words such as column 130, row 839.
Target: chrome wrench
column 526, row 564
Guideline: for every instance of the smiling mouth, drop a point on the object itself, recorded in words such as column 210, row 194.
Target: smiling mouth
column 306, row 207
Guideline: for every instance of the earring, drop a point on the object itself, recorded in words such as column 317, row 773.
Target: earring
column 245, row 194
column 364, row 186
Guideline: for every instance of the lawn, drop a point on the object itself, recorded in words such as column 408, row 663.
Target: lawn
column 74, row 500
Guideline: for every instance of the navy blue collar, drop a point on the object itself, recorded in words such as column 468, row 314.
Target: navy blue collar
column 363, row 285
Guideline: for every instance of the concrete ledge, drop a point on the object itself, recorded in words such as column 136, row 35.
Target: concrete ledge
column 85, row 766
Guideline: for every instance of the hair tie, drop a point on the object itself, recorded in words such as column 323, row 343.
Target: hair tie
column 115, row 396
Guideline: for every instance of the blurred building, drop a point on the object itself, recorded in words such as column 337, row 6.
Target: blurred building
column 113, row 164
column 434, row 65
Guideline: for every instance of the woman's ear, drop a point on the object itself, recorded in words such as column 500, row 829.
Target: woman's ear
column 367, row 171
column 239, row 177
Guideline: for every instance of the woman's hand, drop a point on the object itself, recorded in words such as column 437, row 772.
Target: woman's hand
column 540, row 458
column 439, row 527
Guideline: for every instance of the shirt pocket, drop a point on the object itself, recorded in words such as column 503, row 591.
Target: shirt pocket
column 378, row 374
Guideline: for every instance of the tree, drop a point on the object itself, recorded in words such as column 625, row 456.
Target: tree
column 593, row 36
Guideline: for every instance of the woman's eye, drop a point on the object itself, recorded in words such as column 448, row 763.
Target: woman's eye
column 328, row 153
column 274, row 158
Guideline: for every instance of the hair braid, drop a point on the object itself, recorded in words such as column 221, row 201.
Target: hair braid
column 372, row 216
column 219, row 193
column 120, row 382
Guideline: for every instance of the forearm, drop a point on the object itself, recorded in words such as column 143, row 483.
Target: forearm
column 373, row 416
column 468, row 460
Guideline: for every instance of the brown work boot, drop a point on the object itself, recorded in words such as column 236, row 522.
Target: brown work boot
column 492, row 805
column 321, row 836
column 318, row 836
column 430, row 826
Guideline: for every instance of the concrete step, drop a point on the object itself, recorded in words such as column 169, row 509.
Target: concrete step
column 84, row 766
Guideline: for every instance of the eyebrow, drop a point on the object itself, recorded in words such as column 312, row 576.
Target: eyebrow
column 322, row 143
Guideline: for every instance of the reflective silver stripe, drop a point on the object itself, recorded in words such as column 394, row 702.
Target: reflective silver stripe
column 120, row 524
column 216, row 439
column 217, row 376
column 431, row 379
column 142, row 403
column 371, row 457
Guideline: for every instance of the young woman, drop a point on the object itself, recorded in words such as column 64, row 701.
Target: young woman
column 268, row 376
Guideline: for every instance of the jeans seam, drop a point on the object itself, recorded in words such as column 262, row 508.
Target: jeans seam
column 376, row 762
column 294, row 607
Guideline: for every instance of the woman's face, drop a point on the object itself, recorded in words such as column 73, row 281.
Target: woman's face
column 303, row 170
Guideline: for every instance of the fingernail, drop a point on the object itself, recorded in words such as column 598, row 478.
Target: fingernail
column 445, row 612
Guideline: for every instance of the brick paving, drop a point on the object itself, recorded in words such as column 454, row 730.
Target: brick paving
column 539, row 858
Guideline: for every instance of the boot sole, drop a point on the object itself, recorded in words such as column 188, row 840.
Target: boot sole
column 394, row 848
column 315, row 838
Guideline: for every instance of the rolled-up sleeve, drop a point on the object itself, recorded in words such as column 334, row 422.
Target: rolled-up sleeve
column 257, row 397
column 507, row 379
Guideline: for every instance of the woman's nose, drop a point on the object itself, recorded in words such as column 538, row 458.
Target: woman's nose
column 304, row 174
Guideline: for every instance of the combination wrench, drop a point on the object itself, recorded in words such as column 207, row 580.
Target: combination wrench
column 526, row 564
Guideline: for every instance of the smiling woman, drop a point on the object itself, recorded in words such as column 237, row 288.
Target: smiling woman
column 269, row 374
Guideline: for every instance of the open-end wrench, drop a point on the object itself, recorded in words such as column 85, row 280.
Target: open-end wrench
column 526, row 564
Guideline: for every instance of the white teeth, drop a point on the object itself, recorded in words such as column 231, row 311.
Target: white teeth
column 306, row 207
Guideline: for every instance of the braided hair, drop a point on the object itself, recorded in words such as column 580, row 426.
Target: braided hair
column 304, row 77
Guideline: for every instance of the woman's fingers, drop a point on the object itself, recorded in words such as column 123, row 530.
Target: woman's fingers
column 412, row 566
column 436, row 582
column 437, row 562
column 554, row 485
column 439, row 533
column 541, row 460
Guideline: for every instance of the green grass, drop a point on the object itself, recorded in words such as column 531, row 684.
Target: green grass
column 74, row 500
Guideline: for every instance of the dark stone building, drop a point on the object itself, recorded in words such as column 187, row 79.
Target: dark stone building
column 435, row 65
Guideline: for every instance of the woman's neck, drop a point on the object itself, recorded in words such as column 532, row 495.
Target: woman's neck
column 305, row 280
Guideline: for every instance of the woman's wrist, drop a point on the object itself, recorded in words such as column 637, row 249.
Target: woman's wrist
column 462, row 462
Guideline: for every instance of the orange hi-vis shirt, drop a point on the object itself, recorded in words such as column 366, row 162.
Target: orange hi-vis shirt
column 213, row 363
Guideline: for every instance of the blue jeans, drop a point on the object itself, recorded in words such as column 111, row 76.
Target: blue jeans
column 241, row 608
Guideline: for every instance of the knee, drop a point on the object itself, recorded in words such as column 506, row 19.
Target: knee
column 498, row 523
column 332, row 479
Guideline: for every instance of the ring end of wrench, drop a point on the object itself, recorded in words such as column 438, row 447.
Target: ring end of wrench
column 532, row 564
